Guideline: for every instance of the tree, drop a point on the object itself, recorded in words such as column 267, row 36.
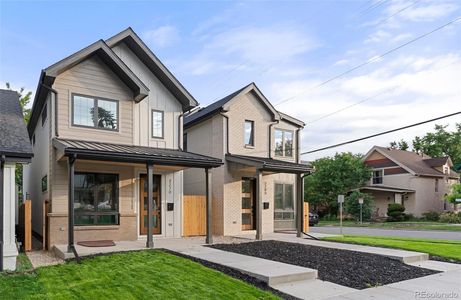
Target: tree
column 24, row 100
column 402, row 145
column 352, row 205
column 440, row 143
column 455, row 193
column 334, row 176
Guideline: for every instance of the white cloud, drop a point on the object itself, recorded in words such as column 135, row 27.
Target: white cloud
column 429, row 12
column 162, row 36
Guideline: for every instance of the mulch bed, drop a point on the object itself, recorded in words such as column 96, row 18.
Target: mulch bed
column 348, row 268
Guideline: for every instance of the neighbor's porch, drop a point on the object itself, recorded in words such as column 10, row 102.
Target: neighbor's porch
column 385, row 195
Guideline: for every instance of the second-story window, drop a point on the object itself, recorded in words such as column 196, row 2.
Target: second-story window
column 283, row 143
column 94, row 112
column 378, row 176
column 157, row 124
column 249, row 133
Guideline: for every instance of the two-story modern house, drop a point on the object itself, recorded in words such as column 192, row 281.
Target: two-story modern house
column 106, row 130
column 259, row 187
column 419, row 182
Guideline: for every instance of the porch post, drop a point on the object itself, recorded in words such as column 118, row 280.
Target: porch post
column 71, row 168
column 2, row 164
column 259, row 205
column 209, row 217
column 299, row 204
column 150, row 184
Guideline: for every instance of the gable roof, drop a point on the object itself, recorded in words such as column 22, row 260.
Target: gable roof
column 139, row 48
column 221, row 104
column 14, row 141
column 99, row 48
column 413, row 162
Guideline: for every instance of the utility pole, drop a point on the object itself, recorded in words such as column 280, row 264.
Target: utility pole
column 340, row 201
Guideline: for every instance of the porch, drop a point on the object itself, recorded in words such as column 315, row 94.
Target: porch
column 385, row 195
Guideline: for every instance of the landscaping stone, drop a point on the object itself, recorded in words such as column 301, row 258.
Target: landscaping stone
column 348, row 268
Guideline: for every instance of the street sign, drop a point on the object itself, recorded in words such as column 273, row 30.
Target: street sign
column 340, row 198
column 360, row 200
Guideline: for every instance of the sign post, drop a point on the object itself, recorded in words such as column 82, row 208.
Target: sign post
column 361, row 204
column 340, row 201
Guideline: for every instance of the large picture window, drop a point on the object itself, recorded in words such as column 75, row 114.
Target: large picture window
column 283, row 202
column 94, row 112
column 283, row 142
column 249, row 133
column 157, row 124
column 96, row 199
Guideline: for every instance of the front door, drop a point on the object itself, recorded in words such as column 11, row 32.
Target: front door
column 248, row 204
column 156, row 205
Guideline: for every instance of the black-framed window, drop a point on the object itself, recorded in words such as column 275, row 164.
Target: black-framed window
column 158, row 124
column 96, row 199
column 283, row 142
column 283, row 202
column 249, row 133
column 95, row 112
column 44, row 114
column 378, row 176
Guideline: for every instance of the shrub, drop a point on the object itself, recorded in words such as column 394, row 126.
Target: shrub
column 352, row 205
column 450, row 217
column 431, row 216
column 395, row 212
column 408, row 217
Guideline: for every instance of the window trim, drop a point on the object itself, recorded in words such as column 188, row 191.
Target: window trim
column 252, row 139
column 95, row 101
column 373, row 176
column 95, row 213
column 283, row 142
column 152, row 123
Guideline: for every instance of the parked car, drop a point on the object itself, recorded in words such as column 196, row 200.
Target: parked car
column 313, row 219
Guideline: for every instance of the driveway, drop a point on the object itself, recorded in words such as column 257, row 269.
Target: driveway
column 427, row 234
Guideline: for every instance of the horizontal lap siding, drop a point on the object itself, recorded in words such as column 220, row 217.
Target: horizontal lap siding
column 93, row 78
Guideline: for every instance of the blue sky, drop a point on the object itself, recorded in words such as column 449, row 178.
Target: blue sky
column 287, row 48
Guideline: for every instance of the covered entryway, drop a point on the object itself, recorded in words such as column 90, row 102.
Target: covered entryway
column 156, row 205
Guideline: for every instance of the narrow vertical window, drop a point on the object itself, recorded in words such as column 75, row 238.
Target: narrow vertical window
column 249, row 133
column 157, row 124
column 436, row 185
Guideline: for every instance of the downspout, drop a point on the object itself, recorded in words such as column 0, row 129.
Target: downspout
column 297, row 145
column 227, row 130
column 270, row 137
column 55, row 123
column 2, row 165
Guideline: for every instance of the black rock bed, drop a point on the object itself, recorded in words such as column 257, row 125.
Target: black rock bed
column 348, row 268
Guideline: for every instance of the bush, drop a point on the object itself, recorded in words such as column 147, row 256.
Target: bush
column 431, row 216
column 352, row 205
column 408, row 217
column 450, row 217
column 395, row 212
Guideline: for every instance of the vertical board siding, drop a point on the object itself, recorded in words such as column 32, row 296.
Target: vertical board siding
column 194, row 215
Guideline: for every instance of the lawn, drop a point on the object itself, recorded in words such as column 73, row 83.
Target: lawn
column 418, row 225
column 442, row 248
column 151, row 274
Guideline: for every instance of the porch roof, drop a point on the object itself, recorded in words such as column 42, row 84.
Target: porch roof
column 387, row 189
column 269, row 164
column 134, row 154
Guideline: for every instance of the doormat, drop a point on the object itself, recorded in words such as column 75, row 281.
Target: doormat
column 102, row 243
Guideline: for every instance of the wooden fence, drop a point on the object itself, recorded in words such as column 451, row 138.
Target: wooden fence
column 306, row 217
column 25, row 225
column 194, row 215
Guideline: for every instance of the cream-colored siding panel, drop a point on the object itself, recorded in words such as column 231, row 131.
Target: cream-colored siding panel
column 159, row 99
column 93, row 78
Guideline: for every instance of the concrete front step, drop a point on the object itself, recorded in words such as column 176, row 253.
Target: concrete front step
column 271, row 272
column 313, row 289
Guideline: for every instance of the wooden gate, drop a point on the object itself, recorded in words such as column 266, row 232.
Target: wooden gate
column 194, row 215
column 306, row 217
column 25, row 225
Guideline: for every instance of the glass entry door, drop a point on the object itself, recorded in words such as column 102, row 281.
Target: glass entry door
column 156, row 205
column 248, row 204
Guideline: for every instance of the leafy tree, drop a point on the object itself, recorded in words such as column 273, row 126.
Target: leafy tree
column 440, row 143
column 352, row 205
column 455, row 193
column 402, row 145
column 24, row 100
column 334, row 176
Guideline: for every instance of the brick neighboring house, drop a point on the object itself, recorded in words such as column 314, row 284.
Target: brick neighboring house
column 258, row 188
column 419, row 182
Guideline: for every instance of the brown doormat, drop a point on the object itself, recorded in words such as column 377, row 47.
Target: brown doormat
column 102, row 243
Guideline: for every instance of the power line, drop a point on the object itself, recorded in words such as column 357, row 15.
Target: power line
column 372, row 7
column 397, row 12
column 381, row 133
column 371, row 60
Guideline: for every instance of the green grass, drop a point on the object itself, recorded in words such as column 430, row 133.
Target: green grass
column 443, row 248
column 418, row 225
column 147, row 274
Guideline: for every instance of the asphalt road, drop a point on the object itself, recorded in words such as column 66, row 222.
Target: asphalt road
column 428, row 234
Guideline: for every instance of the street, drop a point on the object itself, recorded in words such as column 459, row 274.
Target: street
column 429, row 234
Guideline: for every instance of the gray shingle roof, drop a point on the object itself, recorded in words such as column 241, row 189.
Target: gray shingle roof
column 14, row 140
column 135, row 154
